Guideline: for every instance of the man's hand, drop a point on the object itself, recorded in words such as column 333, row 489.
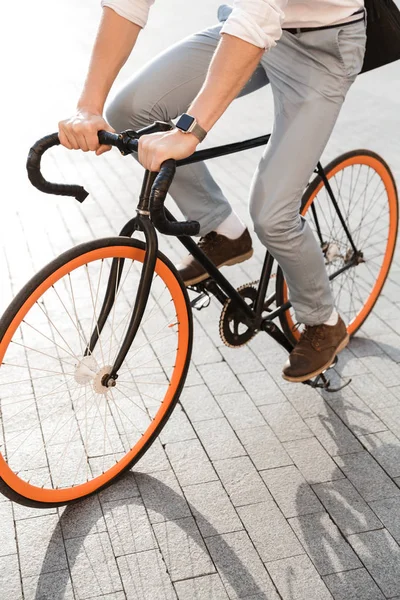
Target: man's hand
column 156, row 148
column 80, row 132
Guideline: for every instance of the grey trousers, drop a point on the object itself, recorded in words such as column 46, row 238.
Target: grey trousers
column 310, row 74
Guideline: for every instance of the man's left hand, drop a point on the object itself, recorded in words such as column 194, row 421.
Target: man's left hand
column 156, row 148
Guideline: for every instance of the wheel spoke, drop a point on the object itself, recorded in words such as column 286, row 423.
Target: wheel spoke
column 369, row 208
column 58, row 416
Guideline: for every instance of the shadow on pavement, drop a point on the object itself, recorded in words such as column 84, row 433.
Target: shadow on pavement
column 349, row 535
column 227, row 563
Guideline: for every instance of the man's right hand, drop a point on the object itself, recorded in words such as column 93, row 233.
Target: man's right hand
column 80, row 132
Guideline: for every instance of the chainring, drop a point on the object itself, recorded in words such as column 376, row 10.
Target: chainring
column 234, row 332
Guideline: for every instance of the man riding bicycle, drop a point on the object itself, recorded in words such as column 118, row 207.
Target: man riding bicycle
column 310, row 53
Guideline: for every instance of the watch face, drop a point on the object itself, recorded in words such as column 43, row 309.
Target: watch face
column 185, row 122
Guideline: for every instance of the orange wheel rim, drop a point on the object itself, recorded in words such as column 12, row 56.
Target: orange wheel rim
column 50, row 496
column 375, row 164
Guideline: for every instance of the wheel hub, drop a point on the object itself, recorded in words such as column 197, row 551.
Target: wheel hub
column 98, row 380
column 332, row 251
column 88, row 372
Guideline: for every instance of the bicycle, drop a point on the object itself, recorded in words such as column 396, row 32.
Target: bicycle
column 89, row 378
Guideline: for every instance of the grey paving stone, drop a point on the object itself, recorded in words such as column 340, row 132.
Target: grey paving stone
column 388, row 511
column 93, row 566
column 82, row 518
column 199, row 404
column 335, row 437
column 241, row 360
column 183, row 549
column 145, row 577
column 242, row 481
column 190, row 463
column 261, row 388
column 346, row 507
column 209, row 587
column 312, row 460
column 285, row 422
column 297, row 579
column 391, row 418
column 385, row 448
column 204, row 350
column 162, row 496
column 268, row 352
column 240, row 410
column 212, row 508
column 363, row 346
column 269, row 531
column 367, row 476
column 240, row 567
column 41, row 548
column 10, row 578
column 154, row 460
column 125, row 487
column 128, row 526
column 356, row 415
column 324, row 543
column 220, row 378
column 264, row 448
column 389, row 344
column 349, row 365
column 115, row 596
column 7, row 530
column 373, row 391
column 309, row 403
column 291, row 491
column 193, row 376
column 178, row 428
column 219, row 439
column 375, row 325
column 384, row 369
column 381, row 556
column 49, row 586
column 353, row 585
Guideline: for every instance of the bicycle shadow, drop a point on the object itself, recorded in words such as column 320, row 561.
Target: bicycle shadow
column 337, row 538
column 233, row 572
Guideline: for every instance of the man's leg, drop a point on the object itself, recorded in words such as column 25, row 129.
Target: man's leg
column 163, row 90
column 310, row 74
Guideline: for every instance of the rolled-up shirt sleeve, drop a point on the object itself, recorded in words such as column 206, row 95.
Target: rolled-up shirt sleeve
column 258, row 22
column 136, row 11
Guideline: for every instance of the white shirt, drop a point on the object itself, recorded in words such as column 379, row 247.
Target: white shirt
column 259, row 22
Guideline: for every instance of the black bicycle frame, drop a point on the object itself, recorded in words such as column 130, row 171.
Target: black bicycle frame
column 216, row 284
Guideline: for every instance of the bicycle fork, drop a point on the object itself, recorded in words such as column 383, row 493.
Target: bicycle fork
column 139, row 223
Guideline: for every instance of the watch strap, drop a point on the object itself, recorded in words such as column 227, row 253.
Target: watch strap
column 194, row 127
column 198, row 131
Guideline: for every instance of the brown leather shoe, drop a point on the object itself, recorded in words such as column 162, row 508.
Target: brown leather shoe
column 315, row 351
column 221, row 250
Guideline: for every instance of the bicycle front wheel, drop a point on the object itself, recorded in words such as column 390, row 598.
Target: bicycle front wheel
column 63, row 434
column 366, row 194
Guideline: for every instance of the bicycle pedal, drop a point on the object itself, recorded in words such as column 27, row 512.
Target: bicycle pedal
column 321, row 382
column 201, row 301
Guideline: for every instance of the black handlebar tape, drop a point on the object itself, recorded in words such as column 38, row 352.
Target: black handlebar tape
column 124, row 143
column 157, row 198
column 36, row 177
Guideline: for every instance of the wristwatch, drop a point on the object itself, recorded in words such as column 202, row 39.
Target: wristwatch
column 188, row 124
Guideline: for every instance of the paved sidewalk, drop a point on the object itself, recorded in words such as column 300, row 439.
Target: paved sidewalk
column 257, row 489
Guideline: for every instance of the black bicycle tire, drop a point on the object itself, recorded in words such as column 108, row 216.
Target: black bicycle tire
column 32, row 285
column 279, row 286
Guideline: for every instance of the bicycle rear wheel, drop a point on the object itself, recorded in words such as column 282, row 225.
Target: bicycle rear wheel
column 366, row 193
column 63, row 434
